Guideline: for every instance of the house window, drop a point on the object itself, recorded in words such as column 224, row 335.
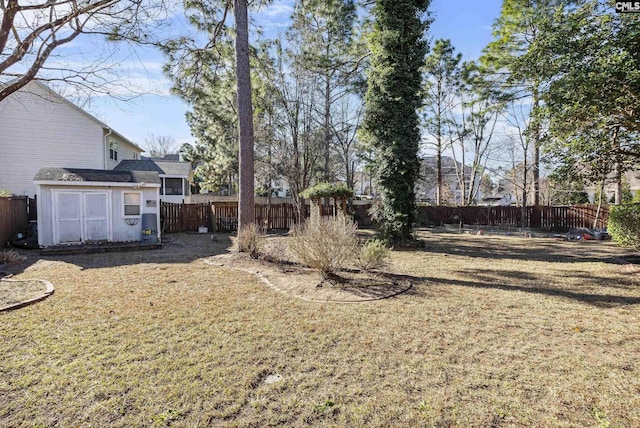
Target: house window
column 113, row 150
column 132, row 203
column 173, row 186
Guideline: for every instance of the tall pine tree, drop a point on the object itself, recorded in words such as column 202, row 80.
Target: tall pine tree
column 391, row 126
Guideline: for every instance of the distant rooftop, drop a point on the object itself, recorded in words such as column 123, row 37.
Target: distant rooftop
column 165, row 167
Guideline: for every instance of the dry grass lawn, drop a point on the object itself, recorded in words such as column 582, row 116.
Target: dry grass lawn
column 494, row 332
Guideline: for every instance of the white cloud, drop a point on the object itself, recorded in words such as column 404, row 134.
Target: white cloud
column 277, row 10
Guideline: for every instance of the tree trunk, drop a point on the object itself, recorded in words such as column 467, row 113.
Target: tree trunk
column 536, row 150
column 246, row 205
column 327, row 128
column 439, row 175
column 599, row 209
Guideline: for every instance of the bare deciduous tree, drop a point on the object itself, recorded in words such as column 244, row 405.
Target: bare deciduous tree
column 32, row 35
column 159, row 146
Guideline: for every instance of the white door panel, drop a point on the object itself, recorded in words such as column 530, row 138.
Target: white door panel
column 96, row 217
column 69, row 217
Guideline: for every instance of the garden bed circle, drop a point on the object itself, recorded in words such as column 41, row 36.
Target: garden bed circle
column 274, row 279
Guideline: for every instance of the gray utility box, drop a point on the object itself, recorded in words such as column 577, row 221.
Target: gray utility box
column 149, row 228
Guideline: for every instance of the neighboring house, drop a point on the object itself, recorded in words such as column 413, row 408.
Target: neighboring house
column 630, row 178
column 85, row 205
column 175, row 176
column 426, row 187
column 39, row 128
column 496, row 201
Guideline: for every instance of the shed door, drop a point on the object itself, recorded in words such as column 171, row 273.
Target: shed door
column 69, row 217
column 96, row 220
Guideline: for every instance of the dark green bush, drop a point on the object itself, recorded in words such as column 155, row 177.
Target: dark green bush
column 624, row 225
column 327, row 190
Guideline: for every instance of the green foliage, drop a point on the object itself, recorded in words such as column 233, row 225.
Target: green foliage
column 327, row 190
column 373, row 254
column 624, row 225
column 324, row 406
column 390, row 126
column 165, row 418
column 325, row 244
column 578, row 197
column 4, row 193
column 390, row 223
column 588, row 54
column 636, row 197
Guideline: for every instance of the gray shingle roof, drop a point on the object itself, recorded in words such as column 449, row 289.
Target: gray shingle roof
column 97, row 175
column 160, row 166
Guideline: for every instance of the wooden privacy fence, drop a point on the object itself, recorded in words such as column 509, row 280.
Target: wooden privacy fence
column 222, row 216
column 565, row 217
column 14, row 216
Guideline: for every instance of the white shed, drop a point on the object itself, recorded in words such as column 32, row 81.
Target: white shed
column 89, row 205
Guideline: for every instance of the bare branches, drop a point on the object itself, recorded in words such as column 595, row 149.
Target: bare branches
column 159, row 145
column 31, row 34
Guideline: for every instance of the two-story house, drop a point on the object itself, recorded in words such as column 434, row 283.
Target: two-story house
column 51, row 148
column 39, row 128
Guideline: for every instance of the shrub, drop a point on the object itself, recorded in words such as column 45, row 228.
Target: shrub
column 250, row 240
column 275, row 251
column 9, row 256
column 624, row 225
column 373, row 254
column 327, row 190
column 325, row 244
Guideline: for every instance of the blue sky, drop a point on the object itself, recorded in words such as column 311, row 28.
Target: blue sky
column 466, row 22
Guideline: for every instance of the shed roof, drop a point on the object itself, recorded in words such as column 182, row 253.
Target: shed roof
column 96, row 175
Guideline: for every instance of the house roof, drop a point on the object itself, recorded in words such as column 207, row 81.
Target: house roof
column 90, row 116
column 160, row 166
column 168, row 157
column 97, row 175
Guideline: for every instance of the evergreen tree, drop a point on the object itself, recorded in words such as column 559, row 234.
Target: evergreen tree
column 590, row 58
column 394, row 95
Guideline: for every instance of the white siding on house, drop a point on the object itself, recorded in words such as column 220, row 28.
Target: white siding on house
column 125, row 150
column 38, row 130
